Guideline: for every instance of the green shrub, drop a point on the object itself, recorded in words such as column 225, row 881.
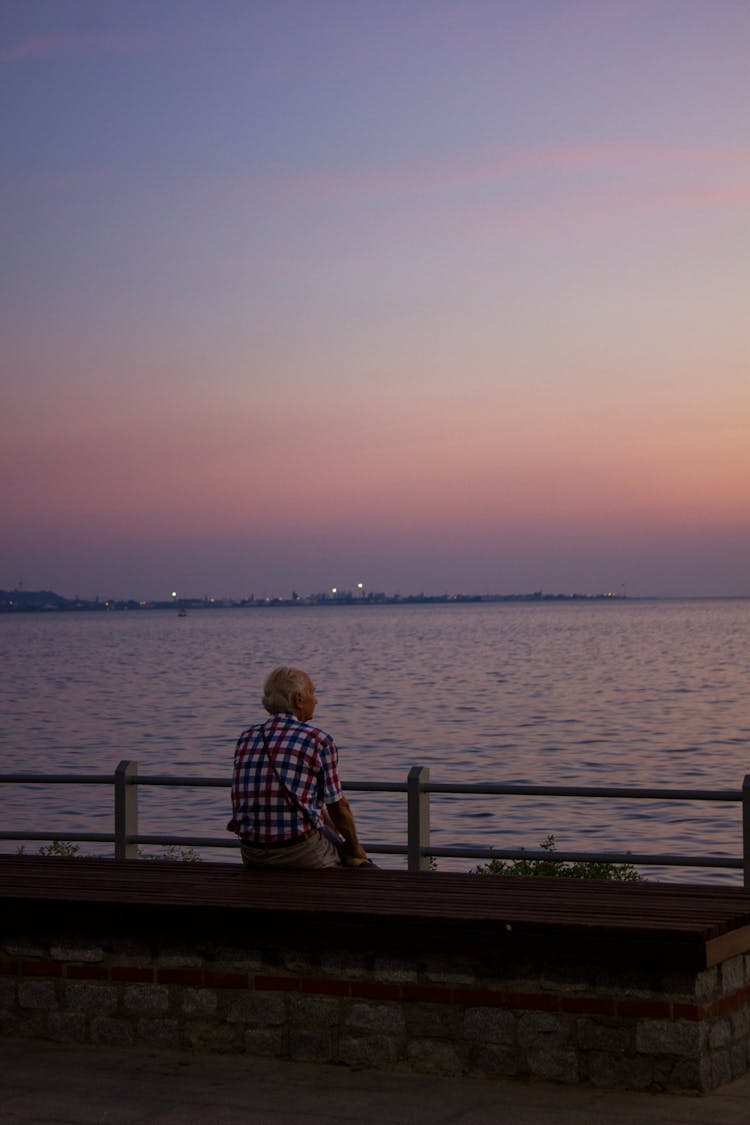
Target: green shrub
column 558, row 868
column 66, row 849
column 172, row 852
column 60, row 848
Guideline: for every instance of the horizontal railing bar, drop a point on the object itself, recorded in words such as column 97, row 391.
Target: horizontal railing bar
column 187, row 782
column 211, row 842
column 376, row 786
column 226, row 783
column 184, row 841
column 59, row 778
column 63, row 836
column 489, row 787
column 479, row 788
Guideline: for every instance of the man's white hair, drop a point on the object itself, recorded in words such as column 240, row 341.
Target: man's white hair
column 281, row 687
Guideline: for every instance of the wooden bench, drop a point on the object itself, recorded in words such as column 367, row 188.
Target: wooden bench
column 643, row 985
column 692, row 926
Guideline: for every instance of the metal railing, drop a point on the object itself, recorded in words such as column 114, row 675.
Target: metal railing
column 419, row 850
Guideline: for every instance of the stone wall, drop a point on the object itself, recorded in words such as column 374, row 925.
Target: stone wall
column 436, row 1014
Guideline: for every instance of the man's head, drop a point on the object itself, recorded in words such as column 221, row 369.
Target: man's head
column 290, row 689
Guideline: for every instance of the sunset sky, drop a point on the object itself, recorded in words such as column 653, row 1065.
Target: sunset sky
column 436, row 295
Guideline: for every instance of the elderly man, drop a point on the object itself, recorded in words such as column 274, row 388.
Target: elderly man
column 286, row 794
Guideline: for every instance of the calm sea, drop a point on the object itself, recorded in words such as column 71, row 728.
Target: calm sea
column 613, row 693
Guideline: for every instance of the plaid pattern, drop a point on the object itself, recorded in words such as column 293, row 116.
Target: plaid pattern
column 307, row 760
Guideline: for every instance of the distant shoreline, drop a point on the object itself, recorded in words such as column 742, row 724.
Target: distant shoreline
column 46, row 601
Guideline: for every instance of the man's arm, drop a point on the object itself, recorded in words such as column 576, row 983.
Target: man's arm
column 343, row 821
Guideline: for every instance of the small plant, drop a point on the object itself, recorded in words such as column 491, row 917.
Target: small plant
column 551, row 867
column 174, row 853
column 66, row 849
column 62, row 848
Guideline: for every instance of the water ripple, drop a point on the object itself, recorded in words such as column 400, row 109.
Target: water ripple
column 642, row 694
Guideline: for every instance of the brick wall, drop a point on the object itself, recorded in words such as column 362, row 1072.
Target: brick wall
column 432, row 1013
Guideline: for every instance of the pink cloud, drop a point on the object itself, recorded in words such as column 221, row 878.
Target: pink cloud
column 484, row 170
column 67, row 46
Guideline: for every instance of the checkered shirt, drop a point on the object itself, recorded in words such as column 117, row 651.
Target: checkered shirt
column 306, row 759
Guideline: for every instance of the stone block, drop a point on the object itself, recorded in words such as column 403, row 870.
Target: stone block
column 146, row 998
column 130, row 950
column 707, row 985
column 596, row 1035
column 39, row 994
column 257, row 1009
column 720, row 1034
column 179, row 959
column 10, row 1023
column 678, row 985
column 312, row 1044
column 67, row 1027
column 667, row 1037
column 376, row 1052
column 732, row 975
column 237, row 960
column 492, row 1059
column 312, row 1011
column 543, row 1030
column 489, row 1025
column 199, row 1001
column 448, row 972
column 219, row 1038
column 612, row 1069
column 88, row 954
column 351, row 966
column 625, row 980
column 298, row 963
column 159, row 1032
column 7, row 992
column 739, row 1057
column 31, row 1023
column 385, row 1018
column 681, row 1075
column 395, row 971
column 551, row 1064
column 740, row 1022
column 431, row 1056
column 432, row 1021
column 81, row 996
column 721, row 1069
column 108, row 1031
column 268, row 1042
column 25, row 947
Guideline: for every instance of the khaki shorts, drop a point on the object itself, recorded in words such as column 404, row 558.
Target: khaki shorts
column 315, row 851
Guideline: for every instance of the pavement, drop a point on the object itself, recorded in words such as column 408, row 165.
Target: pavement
column 50, row 1084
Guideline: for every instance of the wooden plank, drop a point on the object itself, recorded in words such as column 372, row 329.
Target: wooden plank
column 660, row 925
column 726, row 945
column 443, row 896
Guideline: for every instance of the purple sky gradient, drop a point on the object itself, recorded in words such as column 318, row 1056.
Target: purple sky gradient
column 438, row 296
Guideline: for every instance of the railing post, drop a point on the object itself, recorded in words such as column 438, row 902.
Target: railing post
column 418, row 824
column 126, row 810
column 746, row 830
